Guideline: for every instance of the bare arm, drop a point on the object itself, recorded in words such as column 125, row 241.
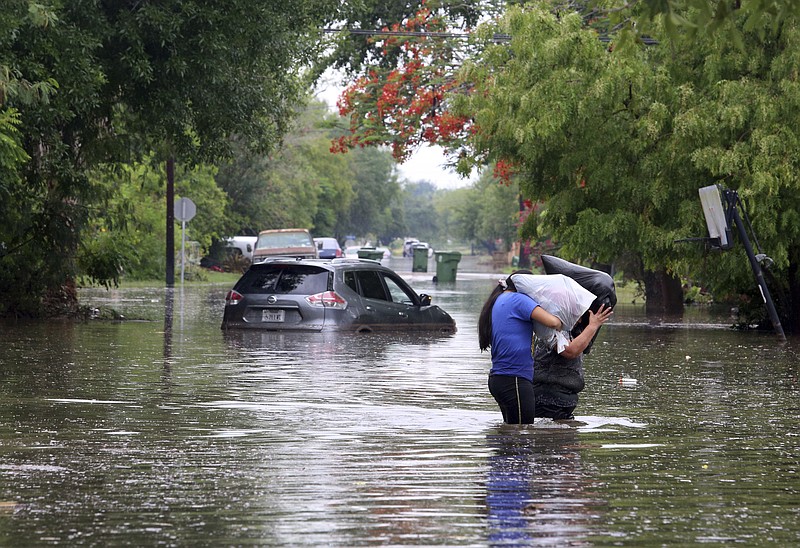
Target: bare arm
column 579, row 343
column 542, row 316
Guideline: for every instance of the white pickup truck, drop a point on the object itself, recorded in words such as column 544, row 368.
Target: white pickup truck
column 242, row 244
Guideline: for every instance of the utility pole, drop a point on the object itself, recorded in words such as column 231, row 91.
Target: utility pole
column 170, row 222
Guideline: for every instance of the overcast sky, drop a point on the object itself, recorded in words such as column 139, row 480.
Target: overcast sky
column 428, row 164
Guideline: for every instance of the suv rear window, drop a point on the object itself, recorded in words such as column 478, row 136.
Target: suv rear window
column 282, row 279
column 279, row 240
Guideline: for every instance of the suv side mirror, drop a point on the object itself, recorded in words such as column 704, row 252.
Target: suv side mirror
column 424, row 300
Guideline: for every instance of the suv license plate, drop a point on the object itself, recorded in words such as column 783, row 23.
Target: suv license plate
column 272, row 315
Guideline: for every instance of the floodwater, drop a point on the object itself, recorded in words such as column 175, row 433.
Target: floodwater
column 163, row 431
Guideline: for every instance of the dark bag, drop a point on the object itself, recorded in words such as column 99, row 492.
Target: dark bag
column 599, row 283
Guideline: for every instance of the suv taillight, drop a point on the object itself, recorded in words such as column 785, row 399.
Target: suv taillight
column 327, row 299
column 233, row 297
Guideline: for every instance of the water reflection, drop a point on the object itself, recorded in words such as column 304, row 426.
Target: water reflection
column 167, row 431
column 537, row 491
column 169, row 311
column 355, row 346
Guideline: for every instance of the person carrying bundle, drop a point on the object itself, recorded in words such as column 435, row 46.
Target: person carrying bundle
column 559, row 375
column 506, row 325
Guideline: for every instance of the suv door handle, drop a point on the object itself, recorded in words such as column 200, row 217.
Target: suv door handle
column 402, row 314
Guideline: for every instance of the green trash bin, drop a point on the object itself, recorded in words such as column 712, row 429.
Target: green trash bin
column 420, row 260
column 370, row 253
column 446, row 265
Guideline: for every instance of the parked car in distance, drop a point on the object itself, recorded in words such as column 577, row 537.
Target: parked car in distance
column 358, row 295
column 328, row 248
column 284, row 242
column 408, row 245
column 241, row 245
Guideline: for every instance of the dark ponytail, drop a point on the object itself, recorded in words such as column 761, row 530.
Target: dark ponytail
column 485, row 318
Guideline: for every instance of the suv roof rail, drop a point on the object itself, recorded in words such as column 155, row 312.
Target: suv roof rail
column 336, row 260
column 353, row 260
column 275, row 258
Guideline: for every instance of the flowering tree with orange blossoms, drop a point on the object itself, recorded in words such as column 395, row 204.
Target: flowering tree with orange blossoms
column 407, row 106
column 410, row 105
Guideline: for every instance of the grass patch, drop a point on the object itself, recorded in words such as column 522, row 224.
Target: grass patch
column 628, row 293
column 206, row 277
column 213, row 277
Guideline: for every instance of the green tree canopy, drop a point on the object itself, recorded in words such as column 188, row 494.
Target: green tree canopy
column 376, row 207
column 618, row 143
column 615, row 137
column 178, row 77
column 359, row 45
column 302, row 184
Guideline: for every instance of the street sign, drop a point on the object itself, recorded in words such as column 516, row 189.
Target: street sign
column 185, row 210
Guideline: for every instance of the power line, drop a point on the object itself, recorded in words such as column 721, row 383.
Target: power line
column 367, row 32
column 497, row 37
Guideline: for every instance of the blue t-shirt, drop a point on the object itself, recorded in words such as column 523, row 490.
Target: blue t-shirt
column 512, row 335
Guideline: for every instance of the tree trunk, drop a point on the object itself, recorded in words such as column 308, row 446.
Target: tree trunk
column 663, row 293
column 61, row 302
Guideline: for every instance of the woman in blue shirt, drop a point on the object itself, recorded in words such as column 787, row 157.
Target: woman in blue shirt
column 506, row 326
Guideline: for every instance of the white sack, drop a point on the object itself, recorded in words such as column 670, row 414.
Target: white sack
column 561, row 296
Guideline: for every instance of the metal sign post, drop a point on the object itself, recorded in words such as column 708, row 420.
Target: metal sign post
column 719, row 217
column 185, row 210
column 733, row 199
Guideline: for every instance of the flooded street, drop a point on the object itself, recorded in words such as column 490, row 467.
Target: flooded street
column 166, row 431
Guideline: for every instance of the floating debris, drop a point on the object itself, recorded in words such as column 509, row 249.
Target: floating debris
column 627, row 381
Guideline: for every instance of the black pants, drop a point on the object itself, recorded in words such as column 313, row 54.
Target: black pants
column 515, row 397
column 555, row 401
column 556, row 412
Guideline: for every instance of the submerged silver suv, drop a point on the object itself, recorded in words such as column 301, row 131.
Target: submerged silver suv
column 357, row 295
